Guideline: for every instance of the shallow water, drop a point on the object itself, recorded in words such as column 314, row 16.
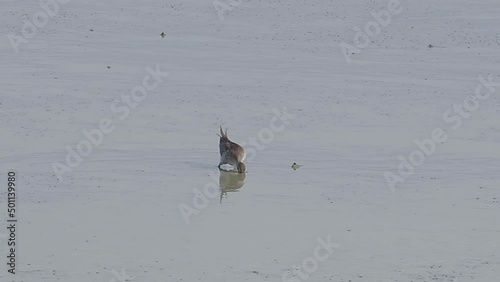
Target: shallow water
column 119, row 211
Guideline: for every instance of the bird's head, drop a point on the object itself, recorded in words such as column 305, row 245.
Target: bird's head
column 241, row 167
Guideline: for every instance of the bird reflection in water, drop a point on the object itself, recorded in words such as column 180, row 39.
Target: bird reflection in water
column 230, row 182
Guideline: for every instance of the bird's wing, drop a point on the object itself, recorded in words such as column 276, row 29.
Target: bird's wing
column 225, row 145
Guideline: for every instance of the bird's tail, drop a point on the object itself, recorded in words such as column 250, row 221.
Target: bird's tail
column 223, row 134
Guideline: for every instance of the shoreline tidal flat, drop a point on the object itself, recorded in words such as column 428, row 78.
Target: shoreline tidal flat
column 146, row 201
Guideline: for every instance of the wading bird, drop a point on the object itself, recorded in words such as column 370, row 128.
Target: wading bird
column 231, row 154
